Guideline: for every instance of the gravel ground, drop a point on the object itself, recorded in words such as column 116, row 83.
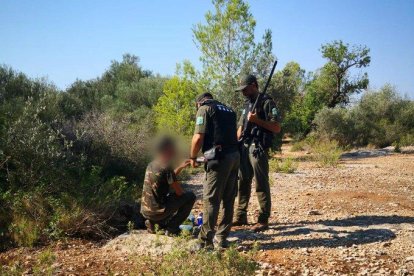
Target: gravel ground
column 355, row 219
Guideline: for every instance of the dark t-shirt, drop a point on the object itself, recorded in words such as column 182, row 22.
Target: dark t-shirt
column 158, row 179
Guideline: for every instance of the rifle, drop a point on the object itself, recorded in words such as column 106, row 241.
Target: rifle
column 248, row 126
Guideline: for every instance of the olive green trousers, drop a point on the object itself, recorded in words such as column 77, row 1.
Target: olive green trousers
column 219, row 188
column 257, row 167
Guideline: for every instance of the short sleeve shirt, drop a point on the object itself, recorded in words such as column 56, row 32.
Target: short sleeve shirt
column 201, row 120
column 157, row 184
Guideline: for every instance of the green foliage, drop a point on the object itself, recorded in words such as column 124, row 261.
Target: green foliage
column 380, row 118
column 337, row 124
column 64, row 169
column 43, row 265
column 175, row 110
column 44, row 262
column 286, row 88
column 287, row 84
column 124, row 90
column 24, row 232
column 298, row 146
column 327, row 153
column 335, row 74
column 407, row 140
column 330, row 86
column 286, row 165
column 227, row 46
column 181, row 261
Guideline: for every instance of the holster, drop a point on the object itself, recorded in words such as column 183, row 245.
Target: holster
column 213, row 157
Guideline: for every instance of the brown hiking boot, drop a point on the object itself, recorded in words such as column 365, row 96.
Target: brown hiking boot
column 240, row 222
column 150, row 226
column 260, row 226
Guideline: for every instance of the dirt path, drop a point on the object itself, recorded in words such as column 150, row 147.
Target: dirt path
column 354, row 219
column 357, row 218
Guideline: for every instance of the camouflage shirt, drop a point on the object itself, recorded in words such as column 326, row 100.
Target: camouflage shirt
column 158, row 179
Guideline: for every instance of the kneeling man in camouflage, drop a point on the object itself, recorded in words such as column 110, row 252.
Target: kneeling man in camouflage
column 164, row 202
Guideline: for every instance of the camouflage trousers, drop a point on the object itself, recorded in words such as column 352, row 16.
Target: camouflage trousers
column 257, row 167
column 177, row 209
column 219, row 188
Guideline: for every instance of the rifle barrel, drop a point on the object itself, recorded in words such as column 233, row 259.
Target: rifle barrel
column 269, row 79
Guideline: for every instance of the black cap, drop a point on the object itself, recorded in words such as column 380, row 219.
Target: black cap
column 245, row 81
column 203, row 96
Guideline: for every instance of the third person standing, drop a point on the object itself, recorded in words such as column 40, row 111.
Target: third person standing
column 254, row 152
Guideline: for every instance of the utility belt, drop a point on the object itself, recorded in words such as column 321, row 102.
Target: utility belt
column 216, row 153
column 260, row 139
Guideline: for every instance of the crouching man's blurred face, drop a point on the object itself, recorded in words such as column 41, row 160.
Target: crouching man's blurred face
column 166, row 151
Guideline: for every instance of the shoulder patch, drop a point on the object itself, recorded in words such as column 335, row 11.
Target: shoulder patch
column 199, row 120
column 274, row 111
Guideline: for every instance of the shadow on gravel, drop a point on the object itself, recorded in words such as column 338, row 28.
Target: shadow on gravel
column 348, row 239
column 358, row 154
column 366, row 221
column 338, row 237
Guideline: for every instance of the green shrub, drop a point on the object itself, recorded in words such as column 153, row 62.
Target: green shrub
column 287, row 165
column 24, row 231
column 380, row 118
column 298, row 146
column 336, row 124
column 69, row 159
column 407, row 140
column 327, row 153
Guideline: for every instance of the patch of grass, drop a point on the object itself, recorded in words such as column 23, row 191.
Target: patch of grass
column 24, row 232
column 15, row 269
column 298, row 146
column 130, row 226
column 183, row 262
column 44, row 263
column 327, row 153
column 287, row 165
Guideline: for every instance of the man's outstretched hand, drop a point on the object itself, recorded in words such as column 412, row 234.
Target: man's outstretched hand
column 185, row 163
column 194, row 163
column 182, row 166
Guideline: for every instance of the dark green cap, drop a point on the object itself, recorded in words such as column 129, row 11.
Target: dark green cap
column 245, row 81
column 203, row 96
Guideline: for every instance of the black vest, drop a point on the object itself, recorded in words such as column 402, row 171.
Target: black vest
column 221, row 127
column 265, row 137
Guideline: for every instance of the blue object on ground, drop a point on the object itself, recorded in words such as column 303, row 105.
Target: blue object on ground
column 200, row 219
column 186, row 227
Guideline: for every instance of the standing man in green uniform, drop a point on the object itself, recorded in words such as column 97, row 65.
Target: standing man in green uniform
column 216, row 127
column 254, row 152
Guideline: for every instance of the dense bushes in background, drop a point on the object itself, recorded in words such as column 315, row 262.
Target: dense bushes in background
column 69, row 159
column 380, row 118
